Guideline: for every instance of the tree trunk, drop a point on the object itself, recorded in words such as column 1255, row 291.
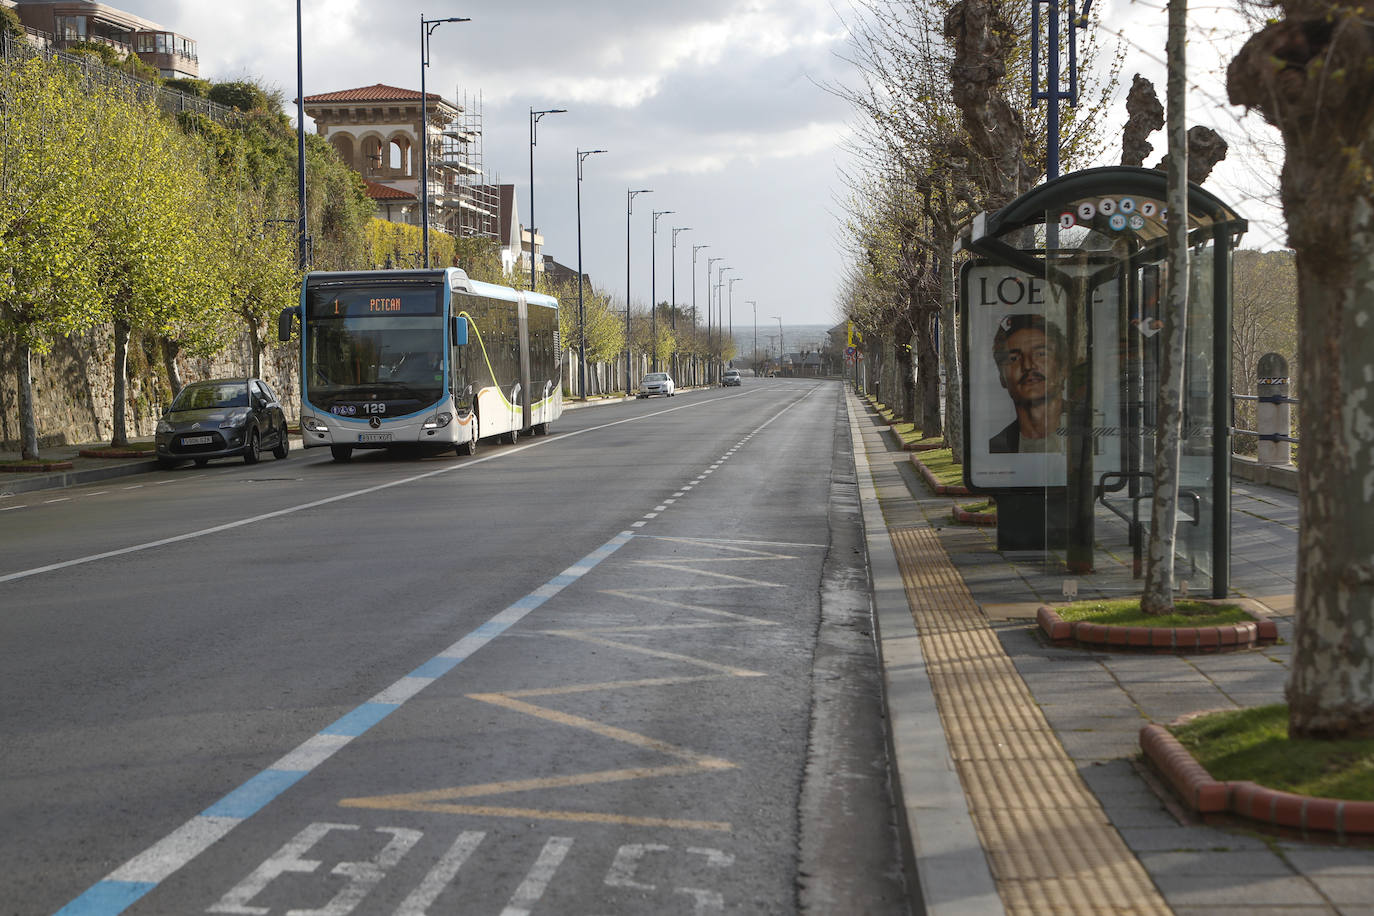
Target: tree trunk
column 905, row 408
column 1158, row 595
column 28, row 424
column 120, row 437
column 949, row 357
column 928, row 368
column 170, row 349
column 1327, row 125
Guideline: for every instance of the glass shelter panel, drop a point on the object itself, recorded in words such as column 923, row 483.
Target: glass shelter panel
column 1062, row 335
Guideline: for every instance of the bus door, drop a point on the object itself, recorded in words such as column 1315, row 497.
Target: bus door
column 525, row 390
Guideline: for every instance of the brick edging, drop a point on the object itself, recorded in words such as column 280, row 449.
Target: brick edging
column 973, row 518
column 1160, row 639
column 114, row 453
column 1244, row 799
column 923, row 446
column 44, row 468
column 938, row 488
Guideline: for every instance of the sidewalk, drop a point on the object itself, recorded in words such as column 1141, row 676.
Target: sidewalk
column 1052, row 810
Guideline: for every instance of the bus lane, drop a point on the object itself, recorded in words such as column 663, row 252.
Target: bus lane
column 629, row 737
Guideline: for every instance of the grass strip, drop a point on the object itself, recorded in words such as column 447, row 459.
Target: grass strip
column 1126, row 612
column 940, row 462
column 1253, row 744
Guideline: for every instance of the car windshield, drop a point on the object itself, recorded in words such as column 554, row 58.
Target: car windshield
column 212, row 395
column 656, row 377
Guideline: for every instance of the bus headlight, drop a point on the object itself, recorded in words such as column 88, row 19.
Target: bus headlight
column 312, row 425
column 438, row 421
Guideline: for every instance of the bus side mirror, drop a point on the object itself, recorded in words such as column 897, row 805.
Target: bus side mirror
column 284, row 322
column 458, row 333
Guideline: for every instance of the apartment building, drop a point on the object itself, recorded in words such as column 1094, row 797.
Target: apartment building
column 65, row 22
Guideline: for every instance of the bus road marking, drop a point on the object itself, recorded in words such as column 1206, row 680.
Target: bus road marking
column 133, row 880
column 531, row 890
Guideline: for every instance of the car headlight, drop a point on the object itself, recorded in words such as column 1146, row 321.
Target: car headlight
column 438, row 421
column 163, row 426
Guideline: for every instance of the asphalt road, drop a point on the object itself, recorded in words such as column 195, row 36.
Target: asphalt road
column 621, row 669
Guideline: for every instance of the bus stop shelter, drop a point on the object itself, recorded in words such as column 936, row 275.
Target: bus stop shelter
column 1061, row 308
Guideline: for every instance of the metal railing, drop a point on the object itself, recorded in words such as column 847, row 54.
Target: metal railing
column 41, row 44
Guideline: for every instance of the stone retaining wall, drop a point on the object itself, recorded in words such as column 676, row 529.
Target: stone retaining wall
column 73, row 386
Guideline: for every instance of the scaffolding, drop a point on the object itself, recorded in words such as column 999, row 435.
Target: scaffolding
column 472, row 202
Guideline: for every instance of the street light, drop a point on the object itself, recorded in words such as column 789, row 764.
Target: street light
column 755, row 354
column 534, row 139
column 695, row 249
column 781, row 350
column 720, row 281
column 672, row 310
column 427, row 27
column 710, row 263
column 653, row 290
column 629, row 208
column 300, row 146
column 733, row 281
column 581, row 312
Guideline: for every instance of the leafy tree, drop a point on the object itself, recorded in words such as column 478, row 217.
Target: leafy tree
column 49, row 198
column 10, row 24
column 1310, row 72
column 152, row 184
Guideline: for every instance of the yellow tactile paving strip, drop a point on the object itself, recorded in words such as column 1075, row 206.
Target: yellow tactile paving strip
column 1049, row 844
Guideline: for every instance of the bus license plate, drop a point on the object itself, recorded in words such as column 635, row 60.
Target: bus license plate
column 374, row 437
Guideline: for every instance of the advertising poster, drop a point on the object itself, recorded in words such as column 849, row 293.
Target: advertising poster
column 1018, row 371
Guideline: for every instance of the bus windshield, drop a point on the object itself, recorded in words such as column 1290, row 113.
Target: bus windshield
column 374, row 351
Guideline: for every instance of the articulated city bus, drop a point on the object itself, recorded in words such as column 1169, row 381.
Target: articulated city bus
column 393, row 358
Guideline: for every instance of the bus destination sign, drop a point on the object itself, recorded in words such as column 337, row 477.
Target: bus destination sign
column 374, row 302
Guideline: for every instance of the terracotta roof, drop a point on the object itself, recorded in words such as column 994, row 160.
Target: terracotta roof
column 378, row 92
column 378, row 191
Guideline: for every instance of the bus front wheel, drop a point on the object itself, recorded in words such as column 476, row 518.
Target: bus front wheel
column 341, row 452
column 470, row 447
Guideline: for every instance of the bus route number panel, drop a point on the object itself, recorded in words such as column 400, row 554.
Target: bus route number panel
column 377, row 302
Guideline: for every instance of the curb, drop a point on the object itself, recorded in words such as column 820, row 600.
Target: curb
column 938, row 488
column 1159, row 639
column 973, row 518
column 922, row 446
column 46, row 467
column 74, row 478
column 1306, row 814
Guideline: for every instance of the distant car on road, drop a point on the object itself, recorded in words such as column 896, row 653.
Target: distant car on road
column 730, row 379
column 656, row 383
column 222, row 418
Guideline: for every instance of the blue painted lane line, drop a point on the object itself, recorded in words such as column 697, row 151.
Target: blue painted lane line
column 127, row 884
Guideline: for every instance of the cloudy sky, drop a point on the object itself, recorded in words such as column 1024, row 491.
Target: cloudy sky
column 718, row 106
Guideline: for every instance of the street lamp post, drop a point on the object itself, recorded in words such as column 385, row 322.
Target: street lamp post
column 781, row 350
column 300, row 146
column 534, row 140
column 695, row 249
column 731, row 313
column 653, row 290
column 672, row 309
column 427, row 27
column 581, row 311
column 629, row 208
column 710, row 263
column 720, row 340
column 755, row 354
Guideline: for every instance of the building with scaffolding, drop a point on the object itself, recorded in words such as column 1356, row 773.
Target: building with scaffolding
column 376, row 129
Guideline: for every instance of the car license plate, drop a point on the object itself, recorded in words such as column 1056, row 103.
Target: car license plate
column 374, row 437
column 197, row 440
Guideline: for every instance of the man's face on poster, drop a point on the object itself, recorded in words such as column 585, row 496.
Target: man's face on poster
column 1029, row 367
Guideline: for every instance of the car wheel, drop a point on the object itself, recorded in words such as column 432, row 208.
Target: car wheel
column 283, row 447
column 251, row 453
column 341, row 452
column 201, row 462
column 470, row 447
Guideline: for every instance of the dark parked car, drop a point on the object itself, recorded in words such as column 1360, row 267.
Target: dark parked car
column 222, row 418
